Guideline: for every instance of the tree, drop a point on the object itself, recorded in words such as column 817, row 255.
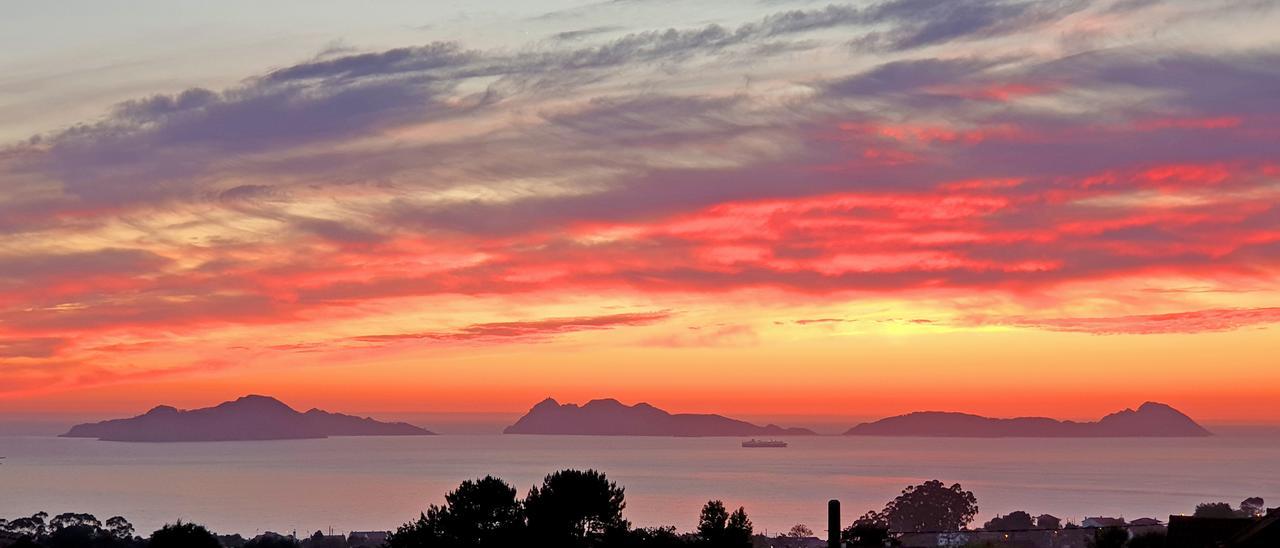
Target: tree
column 1148, row 540
column 71, row 519
column 799, row 530
column 119, row 527
column 931, row 506
column 1253, row 507
column 649, row 537
column 33, row 526
column 1214, row 510
column 798, row 535
column 870, row 530
column 478, row 513
column 75, row 536
column 1109, row 537
column 738, row 531
column 183, row 535
column 575, row 508
column 1014, row 521
column 718, row 528
column 713, row 521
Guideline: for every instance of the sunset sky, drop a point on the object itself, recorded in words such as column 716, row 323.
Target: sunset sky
column 760, row 208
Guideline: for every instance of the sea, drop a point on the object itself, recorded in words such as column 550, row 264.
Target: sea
column 378, row 483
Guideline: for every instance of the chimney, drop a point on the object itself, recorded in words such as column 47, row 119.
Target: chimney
column 833, row 523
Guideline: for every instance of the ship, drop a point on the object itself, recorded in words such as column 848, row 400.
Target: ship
column 764, row 443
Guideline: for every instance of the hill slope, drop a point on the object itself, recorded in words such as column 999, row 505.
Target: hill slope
column 247, row 418
column 609, row 417
column 1150, row 420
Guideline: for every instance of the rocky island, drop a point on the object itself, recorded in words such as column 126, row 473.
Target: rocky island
column 1150, row 420
column 248, row 418
column 609, row 417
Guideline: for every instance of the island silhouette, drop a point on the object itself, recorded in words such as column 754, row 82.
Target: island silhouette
column 609, row 417
column 251, row 417
column 1151, row 419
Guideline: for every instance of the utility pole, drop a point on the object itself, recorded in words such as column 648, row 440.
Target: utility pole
column 833, row 523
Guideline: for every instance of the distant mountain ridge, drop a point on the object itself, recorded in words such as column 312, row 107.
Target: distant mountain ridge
column 1150, row 420
column 251, row 417
column 609, row 417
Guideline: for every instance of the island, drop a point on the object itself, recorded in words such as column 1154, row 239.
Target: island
column 1151, row 420
column 248, row 418
column 609, row 417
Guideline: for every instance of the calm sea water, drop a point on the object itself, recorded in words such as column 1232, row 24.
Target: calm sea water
column 378, row 483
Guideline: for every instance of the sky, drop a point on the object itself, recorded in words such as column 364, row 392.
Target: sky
column 763, row 208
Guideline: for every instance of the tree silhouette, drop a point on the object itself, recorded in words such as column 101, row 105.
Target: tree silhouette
column 71, row 519
column 1214, row 510
column 183, row 535
column 119, row 527
column 800, row 530
column 872, row 529
column 1109, row 537
column 1013, row 521
column 649, row 537
column 1253, row 507
column 575, row 508
column 1148, row 540
column 931, row 506
column 738, row 531
column 75, row 536
column 33, row 526
column 718, row 528
column 478, row 513
column 713, row 521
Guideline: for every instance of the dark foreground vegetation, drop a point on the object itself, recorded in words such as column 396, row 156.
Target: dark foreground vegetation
column 583, row 509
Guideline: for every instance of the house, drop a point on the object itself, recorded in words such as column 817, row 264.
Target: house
column 1193, row 532
column 1146, row 526
column 272, row 535
column 1048, row 521
column 359, row 539
column 935, row 540
column 1100, row 522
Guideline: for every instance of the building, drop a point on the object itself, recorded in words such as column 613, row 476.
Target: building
column 1146, row 526
column 359, row 539
column 1265, row 532
column 1194, row 532
column 1100, row 522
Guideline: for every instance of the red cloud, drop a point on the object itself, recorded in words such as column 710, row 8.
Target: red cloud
column 40, row 347
column 534, row 329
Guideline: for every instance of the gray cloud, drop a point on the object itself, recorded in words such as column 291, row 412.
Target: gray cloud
column 30, row 268
column 920, row 23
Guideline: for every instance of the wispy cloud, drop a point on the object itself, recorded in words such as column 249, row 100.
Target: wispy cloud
column 524, row 330
column 1195, row 321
